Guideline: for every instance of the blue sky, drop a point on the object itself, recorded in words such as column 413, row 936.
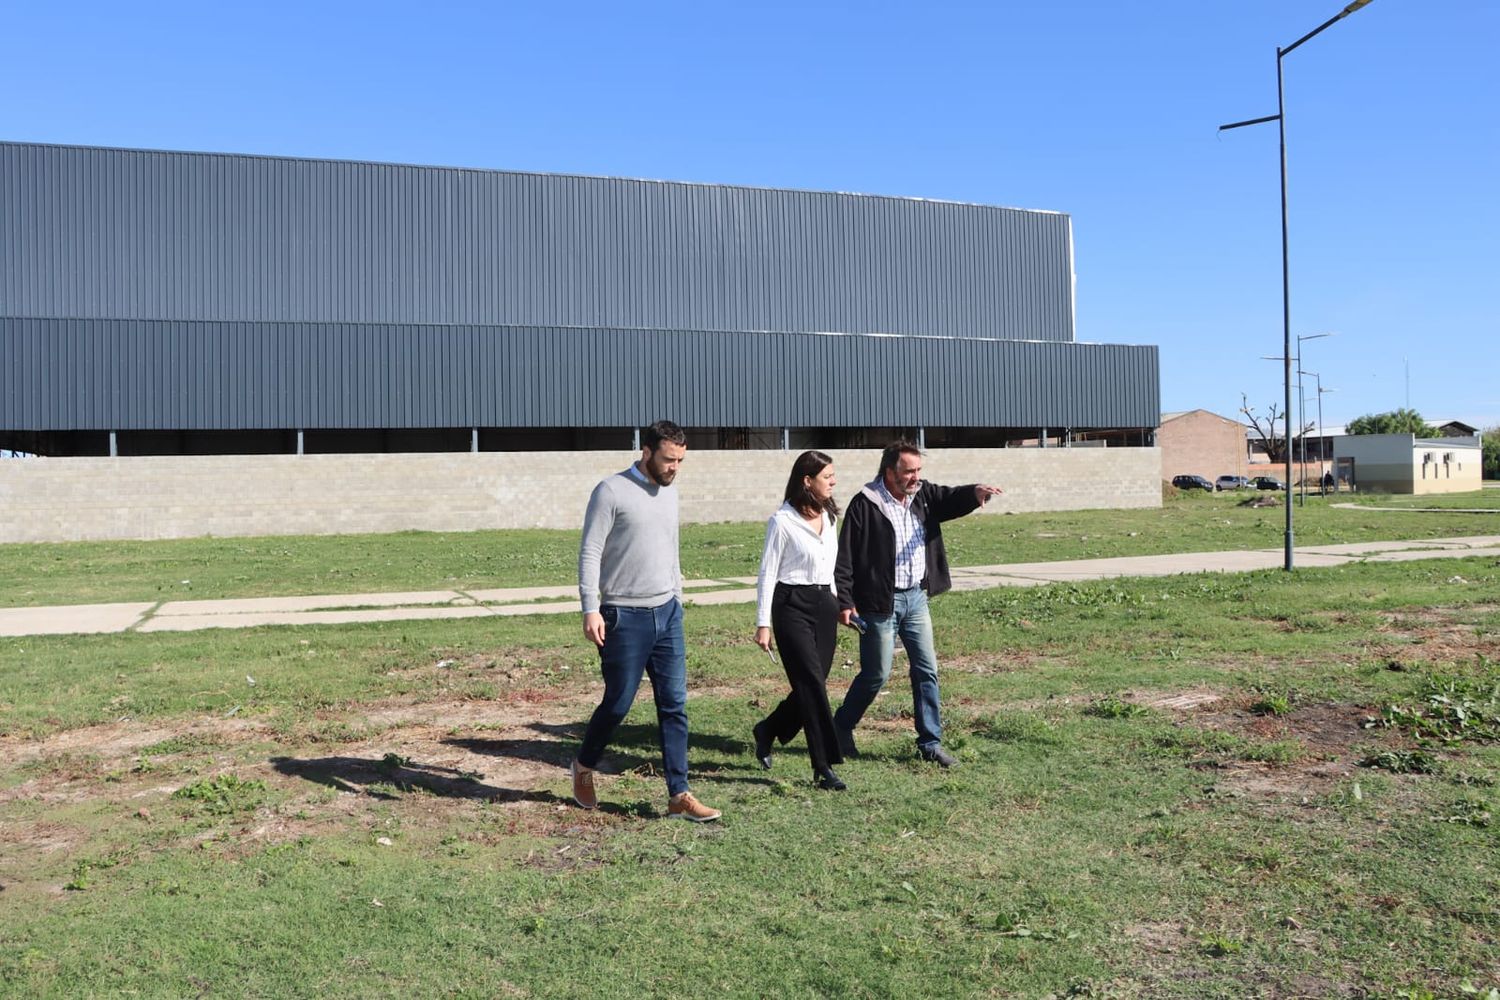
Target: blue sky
column 1107, row 111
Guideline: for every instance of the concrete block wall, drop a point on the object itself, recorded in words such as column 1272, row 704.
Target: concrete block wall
column 77, row 499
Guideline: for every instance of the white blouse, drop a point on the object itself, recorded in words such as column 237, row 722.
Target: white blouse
column 794, row 554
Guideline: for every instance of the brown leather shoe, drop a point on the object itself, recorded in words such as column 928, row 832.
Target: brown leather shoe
column 684, row 806
column 583, row 786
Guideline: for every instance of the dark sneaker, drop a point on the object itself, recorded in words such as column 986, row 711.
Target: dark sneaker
column 846, row 741
column 583, row 786
column 684, row 806
column 938, row 756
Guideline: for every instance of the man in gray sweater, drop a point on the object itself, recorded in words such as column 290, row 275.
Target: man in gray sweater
column 630, row 582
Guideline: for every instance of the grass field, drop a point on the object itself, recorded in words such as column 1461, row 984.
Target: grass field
column 1268, row 785
column 203, row 568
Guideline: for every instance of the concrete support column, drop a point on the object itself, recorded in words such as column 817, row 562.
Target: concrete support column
column 114, row 446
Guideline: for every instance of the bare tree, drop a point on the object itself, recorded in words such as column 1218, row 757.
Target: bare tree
column 1265, row 428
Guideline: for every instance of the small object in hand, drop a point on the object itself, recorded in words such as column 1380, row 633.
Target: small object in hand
column 857, row 624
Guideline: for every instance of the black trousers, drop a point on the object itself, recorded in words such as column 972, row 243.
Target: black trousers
column 805, row 622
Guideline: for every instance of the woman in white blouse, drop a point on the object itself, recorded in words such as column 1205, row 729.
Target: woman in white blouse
column 796, row 604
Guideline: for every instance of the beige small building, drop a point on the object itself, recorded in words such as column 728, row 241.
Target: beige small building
column 1202, row 443
column 1402, row 463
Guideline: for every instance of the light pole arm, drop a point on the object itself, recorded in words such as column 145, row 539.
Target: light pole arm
column 1253, row 121
column 1356, row 5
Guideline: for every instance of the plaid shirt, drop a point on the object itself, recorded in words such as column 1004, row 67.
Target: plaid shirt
column 911, row 538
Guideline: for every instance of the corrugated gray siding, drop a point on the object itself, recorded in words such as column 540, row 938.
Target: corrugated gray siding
column 132, row 375
column 109, row 233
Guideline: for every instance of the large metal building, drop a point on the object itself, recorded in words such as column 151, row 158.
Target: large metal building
column 187, row 303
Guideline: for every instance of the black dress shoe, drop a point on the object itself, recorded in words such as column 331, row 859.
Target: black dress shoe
column 762, row 744
column 828, row 781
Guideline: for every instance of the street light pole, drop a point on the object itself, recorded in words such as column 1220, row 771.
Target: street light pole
column 1286, row 298
column 1322, row 446
column 1302, row 421
column 1301, row 433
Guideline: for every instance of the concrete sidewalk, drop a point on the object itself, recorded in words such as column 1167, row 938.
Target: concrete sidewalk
column 336, row 609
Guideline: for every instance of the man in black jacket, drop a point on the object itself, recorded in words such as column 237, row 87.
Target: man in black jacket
column 891, row 559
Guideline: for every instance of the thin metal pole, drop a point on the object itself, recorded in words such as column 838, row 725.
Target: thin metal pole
column 1321, row 445
column 1286, row 299
column 1301, row 435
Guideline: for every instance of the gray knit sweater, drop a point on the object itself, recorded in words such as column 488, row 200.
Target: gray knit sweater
column 629, row 551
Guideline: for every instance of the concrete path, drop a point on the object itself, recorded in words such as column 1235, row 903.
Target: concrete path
column 1420, row 510
column 334, row 609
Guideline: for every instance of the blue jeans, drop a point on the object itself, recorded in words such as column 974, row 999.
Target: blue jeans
column 643, row 641
column 908, row 619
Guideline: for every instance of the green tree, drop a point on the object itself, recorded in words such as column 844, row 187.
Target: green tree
column 1392, row 422
column 1491, row 447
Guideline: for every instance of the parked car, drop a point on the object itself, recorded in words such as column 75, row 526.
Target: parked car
column 1192, row 483
column 1231, row 483
column 1267, row 483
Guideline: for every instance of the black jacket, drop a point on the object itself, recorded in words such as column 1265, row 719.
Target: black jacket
column 865, row 574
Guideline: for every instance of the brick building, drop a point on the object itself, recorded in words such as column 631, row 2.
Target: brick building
column 1199, row 442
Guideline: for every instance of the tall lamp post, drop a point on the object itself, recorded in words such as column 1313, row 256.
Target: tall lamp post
column 1286, row 298
column 1322, row 451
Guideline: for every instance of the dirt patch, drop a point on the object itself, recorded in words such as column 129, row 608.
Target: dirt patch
column 513, row 708
column 1291, row 785
column 421, row 760
column 418, row 764
column 1321, row 743
column 1181, row 701
column 1159, row 938
column 117, row 739
column 993, row 663
column 1328, row 730
column 1442, row 634
column 1176, row 956
column 42, row 836
column 1171, row 949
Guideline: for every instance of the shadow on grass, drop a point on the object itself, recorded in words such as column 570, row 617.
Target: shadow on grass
column 559, row 749
column 363, row 776
column 632, row 748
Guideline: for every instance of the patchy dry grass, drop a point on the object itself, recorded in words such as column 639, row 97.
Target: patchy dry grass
column 386, row 809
